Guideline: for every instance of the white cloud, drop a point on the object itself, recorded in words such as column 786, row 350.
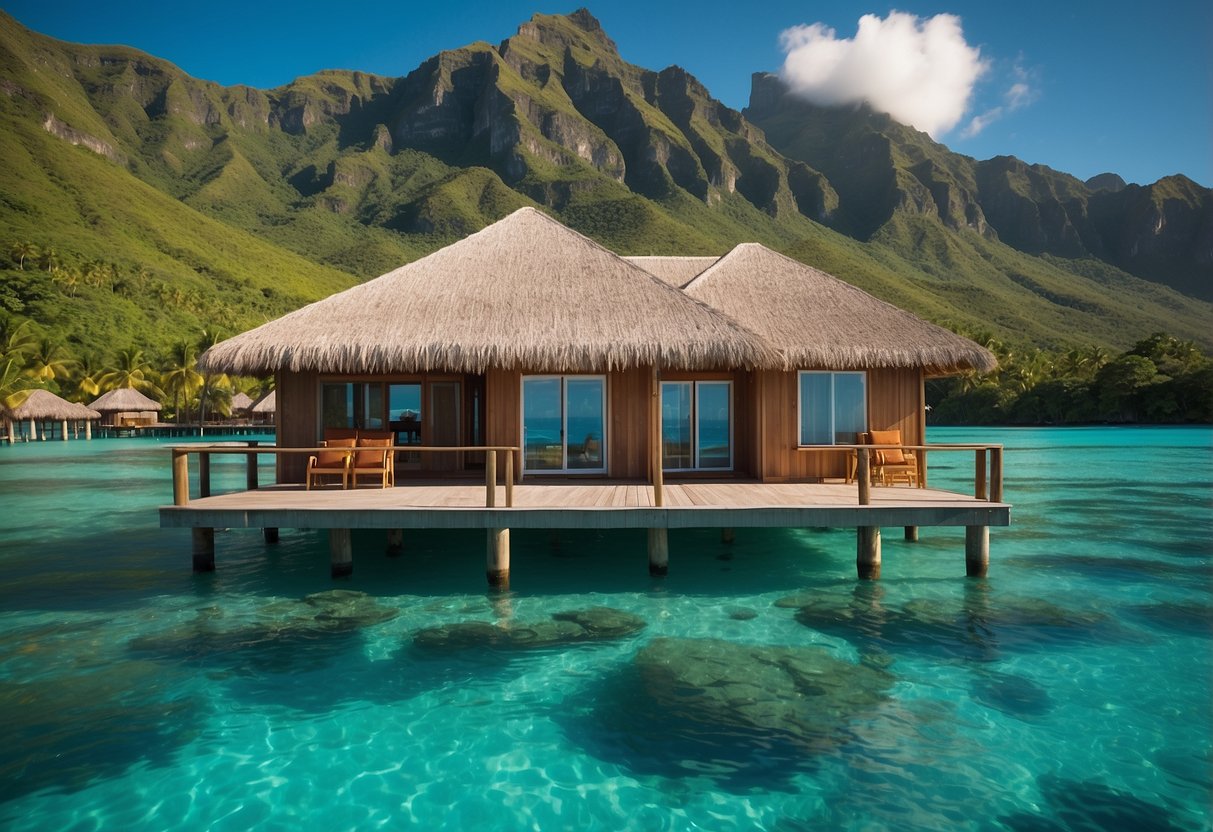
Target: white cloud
column 1019, row 95
column 920, row 71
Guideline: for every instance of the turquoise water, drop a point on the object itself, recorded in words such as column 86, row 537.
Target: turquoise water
column 1069, row 690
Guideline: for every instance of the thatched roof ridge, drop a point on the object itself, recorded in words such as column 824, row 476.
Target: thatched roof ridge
column 525, row 292
column 43, row 404
column 241, row 401
column 124, row 399
column 676, row 271
column 268, row 403
column 819, row 321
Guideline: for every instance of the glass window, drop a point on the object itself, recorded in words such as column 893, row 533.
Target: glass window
column 351, row 405
column 696, row 425
column 404, row 412
column 833, row 408
column 563, row 423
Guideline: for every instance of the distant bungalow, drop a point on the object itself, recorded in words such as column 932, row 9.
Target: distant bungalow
column 528, row 333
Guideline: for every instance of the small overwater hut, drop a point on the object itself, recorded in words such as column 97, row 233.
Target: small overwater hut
column 54, row 414
column 262, row 410
column 126, row 407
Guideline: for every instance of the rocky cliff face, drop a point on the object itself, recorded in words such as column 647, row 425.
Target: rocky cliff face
column 880, row 168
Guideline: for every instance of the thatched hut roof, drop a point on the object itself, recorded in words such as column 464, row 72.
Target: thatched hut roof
column 266, row 404
column 525, row 292
column 819, row 321
column 44, row 405
column 124, row 400
column 676, row 271
column 241, row 401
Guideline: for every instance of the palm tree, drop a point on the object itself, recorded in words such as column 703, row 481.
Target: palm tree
column 49, row 360
column 131, row 369
column 87, row 377
column 208, row 339
column 15, row 338
column 181, row 380
column 21, row 251
column 12, row 380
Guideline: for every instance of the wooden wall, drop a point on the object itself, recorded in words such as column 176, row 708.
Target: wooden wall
column 297, row 417
column 895, row 400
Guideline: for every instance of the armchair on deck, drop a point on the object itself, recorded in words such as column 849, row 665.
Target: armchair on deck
column 890, row 465
column 334, row 463
column 374, row 458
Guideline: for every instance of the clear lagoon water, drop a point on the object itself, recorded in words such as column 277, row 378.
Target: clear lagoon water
column 758, row 686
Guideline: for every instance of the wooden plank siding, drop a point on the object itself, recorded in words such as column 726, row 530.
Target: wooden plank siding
column 298, row 400
column 628, row 407
column 894, row 401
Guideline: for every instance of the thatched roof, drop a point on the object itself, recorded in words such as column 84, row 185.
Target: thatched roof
column 124, row 400
column 525, row 292
column 43, row 404
column 818, row 321
column 266, row 404
column 241, row 401
column 676, row 271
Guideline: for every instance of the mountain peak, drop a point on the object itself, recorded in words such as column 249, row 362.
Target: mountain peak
column 562, row 31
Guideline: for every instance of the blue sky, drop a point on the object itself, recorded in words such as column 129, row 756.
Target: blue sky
column 1113, row 86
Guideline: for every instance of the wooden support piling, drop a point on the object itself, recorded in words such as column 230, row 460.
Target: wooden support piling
column 911, row 534
column 977, row 551
column 659, row 552
column 395, row 542
column 727, row 535
column 341, row 553
column 979, row 474
column 863, row 474
column 270, row 533
column 12, row 432
column 867, row 552
column 88, row 430
column 33, row 431
column 64, row 426
column 203, row 548
column 490, row 479
column 497, row 558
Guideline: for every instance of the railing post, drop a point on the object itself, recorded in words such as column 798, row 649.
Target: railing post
column 863, row 474
column 490, row 479
column 181, row 477
column 509, row 478
column 251, row 473
column 204, row 474
column 979, row 474
column 996, row 475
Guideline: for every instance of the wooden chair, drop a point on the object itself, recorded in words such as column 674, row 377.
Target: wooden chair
column 890, row 465
column 335, row 463
column 377, row 462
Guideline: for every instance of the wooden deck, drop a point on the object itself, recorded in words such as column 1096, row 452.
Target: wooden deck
column 592, row 505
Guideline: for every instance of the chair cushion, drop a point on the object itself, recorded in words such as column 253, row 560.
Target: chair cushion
column 892, row 456
column 371, row 459
column 333, row 459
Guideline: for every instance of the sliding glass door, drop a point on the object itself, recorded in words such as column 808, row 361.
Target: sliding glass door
column 697, row 425
column 564, row 424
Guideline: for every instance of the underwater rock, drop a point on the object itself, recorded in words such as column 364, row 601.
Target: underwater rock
column 277, row 634
column 571, row 627
column 743, row 615
column 1013, row 695
column 1082, row 805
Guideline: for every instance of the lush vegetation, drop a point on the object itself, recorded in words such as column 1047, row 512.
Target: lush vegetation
column 1161, row 379
column 31, row 359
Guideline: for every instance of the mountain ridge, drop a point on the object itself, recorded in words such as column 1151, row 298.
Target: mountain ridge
column 356, row 173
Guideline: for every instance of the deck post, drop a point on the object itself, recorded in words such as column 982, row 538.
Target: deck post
column 341, row 553
column 181, row 477
column 996, row 475
column 659, row 552
column 490, row 479
column 12, row 433
column 395, row 542
column 977, row 551
column 33, row 431
column 497, row 558
column 867, row 552
column 250, row 475
column 911, row 534
column 65, row 430
column 270, row 533
column 727, row 535
column 863, row 475
column 979, row 474
column 204, row 548
column 88, row 429
column 204, row 474
column 509, row 478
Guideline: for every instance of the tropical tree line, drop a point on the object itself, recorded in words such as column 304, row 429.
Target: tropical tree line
column 32, row 359
column 1159, row 380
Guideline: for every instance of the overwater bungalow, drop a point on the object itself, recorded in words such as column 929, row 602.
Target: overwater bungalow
column 42, row 407
column 600, row 372
column 126, row 407
column 263, row 409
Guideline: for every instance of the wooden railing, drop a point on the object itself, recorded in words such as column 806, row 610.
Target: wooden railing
column 987, row 480
column 251, row 450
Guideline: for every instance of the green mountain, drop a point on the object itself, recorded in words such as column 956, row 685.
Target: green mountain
column 140, row 204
